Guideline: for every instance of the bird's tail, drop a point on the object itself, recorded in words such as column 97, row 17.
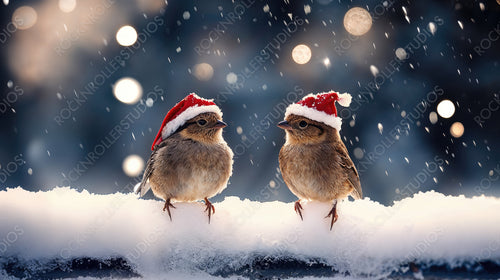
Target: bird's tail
column 357, row 193
column 142, row 188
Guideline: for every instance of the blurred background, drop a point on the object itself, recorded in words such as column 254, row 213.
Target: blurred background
column 85, row 86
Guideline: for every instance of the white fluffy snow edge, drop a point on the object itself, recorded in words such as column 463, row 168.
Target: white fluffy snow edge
column 368, row 238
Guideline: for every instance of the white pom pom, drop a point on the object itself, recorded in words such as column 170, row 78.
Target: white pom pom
column 345, row 99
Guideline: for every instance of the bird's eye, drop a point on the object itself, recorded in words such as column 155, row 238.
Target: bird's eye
column 201, row 122
column 303, row 124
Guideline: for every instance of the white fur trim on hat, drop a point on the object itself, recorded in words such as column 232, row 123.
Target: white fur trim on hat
column 315, row 115
column 188, row 114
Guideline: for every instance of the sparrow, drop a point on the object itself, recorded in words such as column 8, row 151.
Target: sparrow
column 190, row 160
column 314, row 162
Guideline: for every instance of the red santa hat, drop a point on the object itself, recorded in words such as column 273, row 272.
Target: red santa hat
column 320, row 107
column 188, row 108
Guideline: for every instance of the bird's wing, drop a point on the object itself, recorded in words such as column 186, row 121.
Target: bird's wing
column 352, row 173
column 144, row 185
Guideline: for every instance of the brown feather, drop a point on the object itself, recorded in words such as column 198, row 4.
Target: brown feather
column 192, row 164
column 315, row 164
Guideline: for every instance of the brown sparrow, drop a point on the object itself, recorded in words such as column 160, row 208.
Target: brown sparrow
column 190, row 159
column 314, row 161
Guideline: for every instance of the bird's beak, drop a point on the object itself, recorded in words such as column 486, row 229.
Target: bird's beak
column 220, row 124
column 284, row 125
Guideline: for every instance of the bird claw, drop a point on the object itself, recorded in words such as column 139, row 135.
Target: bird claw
column 333, row 214
column 167, row 206
column 297, row 208
column 210, row 208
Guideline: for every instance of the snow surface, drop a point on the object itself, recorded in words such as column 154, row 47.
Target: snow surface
column 368, row 239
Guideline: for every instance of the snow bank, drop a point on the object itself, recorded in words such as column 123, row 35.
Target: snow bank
column 369, row 239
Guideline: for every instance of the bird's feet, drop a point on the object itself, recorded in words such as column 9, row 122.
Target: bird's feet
column 298, row 207
column 210, row 208
column 167, row 207
column 333, row 214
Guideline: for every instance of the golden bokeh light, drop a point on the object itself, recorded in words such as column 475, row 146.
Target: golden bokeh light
column 67, row 6
column 433, row 117
column 24, row 17
column 357, row 21
column 301, row 54
column 203, row 71
column 126, row 36
column 127, row 90
column 133, row 165
column 457, row 129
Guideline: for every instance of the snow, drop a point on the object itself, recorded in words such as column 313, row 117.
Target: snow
column 368, row 238
column 374, row 70
column 307, row 9
column 432, row 27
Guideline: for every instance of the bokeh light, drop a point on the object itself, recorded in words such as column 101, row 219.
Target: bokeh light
column 446, row 109
column 401, row 54
column 457, row 129
column 327, row 62
column 203, row 71
column 24, row 17
column 358, row 153
column 127, row 90
column 239, row 130
column 231, row 78
column 301, row 54
column 133, row 165
column 67, row 6
column 151, row 6
column 357, row 21
column 126, row 36
column 433, row 117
